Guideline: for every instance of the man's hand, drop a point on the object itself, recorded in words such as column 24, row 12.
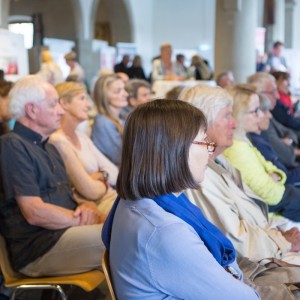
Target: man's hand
column 293, row 236
column 89, row 214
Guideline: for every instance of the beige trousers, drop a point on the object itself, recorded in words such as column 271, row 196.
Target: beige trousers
column 78, row 250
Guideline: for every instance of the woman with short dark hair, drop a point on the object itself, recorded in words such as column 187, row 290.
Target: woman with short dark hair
column 160, row 245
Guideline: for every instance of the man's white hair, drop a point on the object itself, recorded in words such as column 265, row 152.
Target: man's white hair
column 260, row 79
column 29, row 89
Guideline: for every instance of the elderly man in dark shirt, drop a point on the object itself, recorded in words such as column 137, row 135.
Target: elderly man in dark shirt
column 46, row 230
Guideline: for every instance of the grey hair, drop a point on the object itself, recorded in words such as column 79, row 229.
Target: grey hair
column 264, row 103
column 260, row 79
column 210, row 100
column 29, row 89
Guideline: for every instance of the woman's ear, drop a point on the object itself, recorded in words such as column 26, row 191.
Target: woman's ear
column 64, row 104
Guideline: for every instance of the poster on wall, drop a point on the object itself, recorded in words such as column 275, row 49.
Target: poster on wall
column 13, row 55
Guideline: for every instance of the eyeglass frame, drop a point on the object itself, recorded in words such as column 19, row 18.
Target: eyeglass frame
column 207, row 144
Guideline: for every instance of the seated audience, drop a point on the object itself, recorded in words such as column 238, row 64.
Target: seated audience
column 225, row 199
column 263, row 145
column 163, row 67
column 76, row 71
column 275, row 61
column 47, row 232
column 225, row 79
column 139, row 92
column 136, row 71
column 5, row 87
column 200, row 69
column 110, row 98
column 170, row 240
column 264, row 178
column 90, row 172
column 281, row 138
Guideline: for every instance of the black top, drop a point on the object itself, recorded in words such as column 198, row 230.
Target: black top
column 29, row 167
column 120, row 67
column 136, row 72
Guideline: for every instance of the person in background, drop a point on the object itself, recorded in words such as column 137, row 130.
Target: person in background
column 49, row 70
column 76, row 71
column 199, row 69
column 179, row 66
column 163, row 67
column 283, row 86
column 262, row 176
column 136, row 71
column 170, row 239
column 2, row 75
column 5, row 87
column 47, row 232
column 139, row 92
column 276, row 61
column 263, row 145
column 110, row 98
column 122, row 66
column 174, row 93
column 225, row 79
column 90, row 172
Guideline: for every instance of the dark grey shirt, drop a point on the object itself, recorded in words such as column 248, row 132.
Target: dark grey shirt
column 29, row 167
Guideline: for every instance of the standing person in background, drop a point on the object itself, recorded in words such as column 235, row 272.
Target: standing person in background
column 136, row 71
column 76, row 71
column 122, row 66
column 163, row 67
column 50, row 71
column 276, row 61
column 110, row 98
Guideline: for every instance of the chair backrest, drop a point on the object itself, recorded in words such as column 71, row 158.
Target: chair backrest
column 106, row 270
column 6, row 268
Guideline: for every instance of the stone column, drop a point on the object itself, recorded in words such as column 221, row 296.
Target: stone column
column 236, row 21
column 85, row 16
column 289, row 23
column 275, row 32
column 4, row 12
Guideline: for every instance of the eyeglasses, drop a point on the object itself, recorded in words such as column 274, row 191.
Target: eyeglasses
column 211, row 146
column 256, row 111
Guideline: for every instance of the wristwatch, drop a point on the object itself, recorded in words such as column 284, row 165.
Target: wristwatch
column 105, row 175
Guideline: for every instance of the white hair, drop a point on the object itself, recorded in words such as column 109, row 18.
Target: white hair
column 260, row 79
column 29, row 89
column 210, row 100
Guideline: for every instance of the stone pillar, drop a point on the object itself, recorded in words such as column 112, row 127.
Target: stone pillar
column 275, row 32
column 236, row 21
column 289, row 23
column 4, row 12
column 85, row 16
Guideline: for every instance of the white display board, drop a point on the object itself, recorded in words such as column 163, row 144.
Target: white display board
column 13, row 55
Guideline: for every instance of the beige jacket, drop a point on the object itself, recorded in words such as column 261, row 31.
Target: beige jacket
column 241, row 218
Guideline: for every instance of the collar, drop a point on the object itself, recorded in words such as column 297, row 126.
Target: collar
column 29, row 134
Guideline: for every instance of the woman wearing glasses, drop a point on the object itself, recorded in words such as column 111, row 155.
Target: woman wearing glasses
column 172, row 251
column 262, row 176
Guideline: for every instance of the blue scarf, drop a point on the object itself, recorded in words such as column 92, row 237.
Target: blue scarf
column 218, row 245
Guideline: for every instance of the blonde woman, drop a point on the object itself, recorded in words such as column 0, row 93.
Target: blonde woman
column 262, row 176
column 110, row 98
column 90, row 172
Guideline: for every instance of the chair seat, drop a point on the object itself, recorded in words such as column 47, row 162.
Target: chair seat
column 87, row 281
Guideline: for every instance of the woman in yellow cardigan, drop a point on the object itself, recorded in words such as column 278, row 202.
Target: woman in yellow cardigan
column 264, row 178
